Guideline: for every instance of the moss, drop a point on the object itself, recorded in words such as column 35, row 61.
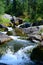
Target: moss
column 19, row 32
column 41, row 31
column 2, row 29
column 9, row 33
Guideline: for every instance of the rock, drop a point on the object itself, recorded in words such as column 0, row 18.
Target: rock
column 35, row 38
column 7, row 16
column 30, row 30
column 4, row 38
column 24, row 25
column 13, row 21
column 2, row 26
column 37, row 23
column 19, row 32
column 9, row 33
column 37, row 54
column 20, row 21
column 16, row 21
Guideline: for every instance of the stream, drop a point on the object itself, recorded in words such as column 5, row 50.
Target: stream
column 16, row 52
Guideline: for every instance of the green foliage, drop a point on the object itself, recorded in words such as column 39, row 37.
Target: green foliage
column 16, row 7
column 4, row 21
column 1, row 7
column 35, row 9
column 26, row 19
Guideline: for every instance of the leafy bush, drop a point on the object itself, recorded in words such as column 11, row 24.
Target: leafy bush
column 4, row 21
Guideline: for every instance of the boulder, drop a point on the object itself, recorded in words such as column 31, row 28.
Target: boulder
column 4, row 38
column 35, row 38
column 13, row 21
column 24, row 25
column 9, row 33
column 37, row 23
column 20, row 21
column 7, row 16
column 37, row 54
column 16, row 21
column 4, row 27
column 30, row 30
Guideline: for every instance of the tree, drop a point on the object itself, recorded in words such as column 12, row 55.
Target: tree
column 1, row 7
column 32, row 9
column 40, row 8
column 14, row 7
column 35, row 9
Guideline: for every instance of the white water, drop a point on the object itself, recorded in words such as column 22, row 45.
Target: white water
column 9, row 28
column 3, row 32
column 18, row 58
column 17, row 38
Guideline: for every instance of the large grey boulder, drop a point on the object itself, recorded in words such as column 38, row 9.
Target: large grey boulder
column 35, row 38
column 4, row 38
column 30, row 30
column 7, row 16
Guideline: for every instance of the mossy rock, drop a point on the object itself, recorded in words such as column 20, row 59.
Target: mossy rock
column 19, row 32
column 9, row 33
column 37, row 54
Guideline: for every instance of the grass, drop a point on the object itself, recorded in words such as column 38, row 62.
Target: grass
column 4, row 21
column 26, row 19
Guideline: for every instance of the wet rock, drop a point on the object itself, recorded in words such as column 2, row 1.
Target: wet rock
column 35, row 38
column 13, row 21
column 37, row 23
column 20, row 21
column 9, row 33
column 19, row 32
column 4, row 38
column 16, row 21
column 3, row 27
column 24, row 25
column 37, row 54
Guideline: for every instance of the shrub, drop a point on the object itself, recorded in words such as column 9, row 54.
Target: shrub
column 4, row 21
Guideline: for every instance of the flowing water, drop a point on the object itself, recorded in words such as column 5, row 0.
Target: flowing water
column 16, row 52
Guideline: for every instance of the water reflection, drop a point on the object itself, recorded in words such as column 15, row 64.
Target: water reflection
column 18, row 58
